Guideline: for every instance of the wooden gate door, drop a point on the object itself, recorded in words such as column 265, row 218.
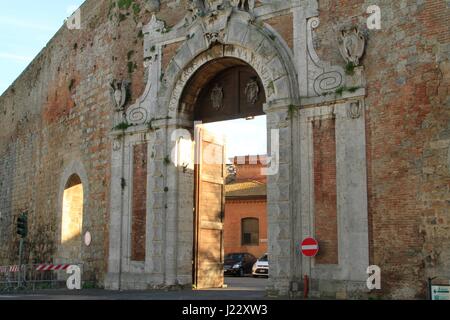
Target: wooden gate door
column 209, row 210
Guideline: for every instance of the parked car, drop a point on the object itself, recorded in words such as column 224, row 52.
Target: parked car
column 261, row 267
column 239, row 264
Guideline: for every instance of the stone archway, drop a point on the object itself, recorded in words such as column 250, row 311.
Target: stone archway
column 291, row 77
column 274, row 67
column 72, row 208
column 168, row 260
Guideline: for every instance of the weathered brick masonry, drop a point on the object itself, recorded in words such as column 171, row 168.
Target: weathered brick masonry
column 408, row 122
column 139, row 202
column 59, row 111
column 325, row 204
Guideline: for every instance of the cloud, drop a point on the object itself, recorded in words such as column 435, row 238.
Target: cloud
column 15, row 57
column 13, row 22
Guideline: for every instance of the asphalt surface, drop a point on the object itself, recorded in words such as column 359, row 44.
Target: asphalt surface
column 237, row 289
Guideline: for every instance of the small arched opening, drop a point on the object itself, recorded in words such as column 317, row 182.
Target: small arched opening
column 72, row 220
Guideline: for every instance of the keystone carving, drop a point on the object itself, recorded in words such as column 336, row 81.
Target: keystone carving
column 211, row 7
column 213, row 38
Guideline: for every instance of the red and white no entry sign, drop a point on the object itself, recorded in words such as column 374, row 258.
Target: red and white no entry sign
column 310, row 247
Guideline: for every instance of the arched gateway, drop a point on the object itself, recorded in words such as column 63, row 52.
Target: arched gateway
column 153, row 231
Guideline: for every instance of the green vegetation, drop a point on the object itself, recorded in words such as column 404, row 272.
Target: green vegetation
column 350, row 68
column 292, row 112
column 340, row 91
column 122, row 126
column 131, row 66
column 124, row 4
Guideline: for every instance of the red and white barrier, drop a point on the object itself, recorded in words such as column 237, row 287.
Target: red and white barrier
column 52, row 267
column 9, row 269
column 14, row 269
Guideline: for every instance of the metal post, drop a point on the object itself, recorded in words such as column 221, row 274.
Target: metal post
column 20, row 263
column 430, row 288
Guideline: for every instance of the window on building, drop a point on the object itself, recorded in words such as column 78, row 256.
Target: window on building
column 250, row 232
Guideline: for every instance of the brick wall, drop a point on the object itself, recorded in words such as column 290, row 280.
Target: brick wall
column 235, row 211
column 249, row 168
column 139, row 211
column 284, row 25
column 168, row 52
column 408, row 112
column 325, row 198
column 58, row 111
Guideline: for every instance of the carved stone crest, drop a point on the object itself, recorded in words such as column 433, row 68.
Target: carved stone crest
column 244, row 5
column 196, row 9
column 118, row 91
column 354, row 110
column 252, row 91
column 352, row 44
column 116, row 144
column 217, row 97
column 152, row 5
column 214, row 5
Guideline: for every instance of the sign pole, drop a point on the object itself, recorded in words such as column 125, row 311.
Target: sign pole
column 20, row 262
column 309, row 248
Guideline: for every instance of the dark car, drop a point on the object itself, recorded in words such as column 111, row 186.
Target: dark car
column 239, row 264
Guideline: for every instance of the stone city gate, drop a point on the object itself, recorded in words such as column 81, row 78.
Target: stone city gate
column 151, row 226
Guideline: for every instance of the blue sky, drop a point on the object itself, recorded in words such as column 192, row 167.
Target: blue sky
column 26, row 27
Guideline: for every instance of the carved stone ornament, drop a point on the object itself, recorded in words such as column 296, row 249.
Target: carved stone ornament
column 324, row 77
column 354, row 110
column 116, row 144
column 154, row 26
column 244, row 5
column 217, row 97
column 352, row 44
column 213, row 38
column 152, row 5
column 196, row 9
column 214, row 5
column 118, row 90
column 252, row 91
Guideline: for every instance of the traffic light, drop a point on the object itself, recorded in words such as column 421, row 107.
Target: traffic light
column 22, row 225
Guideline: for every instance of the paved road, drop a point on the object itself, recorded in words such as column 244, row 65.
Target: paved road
column 238, row 289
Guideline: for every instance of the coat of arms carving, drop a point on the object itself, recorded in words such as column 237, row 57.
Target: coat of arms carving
column 217, row 97
column 252, row 91
column 352, row 44
column 118, row 90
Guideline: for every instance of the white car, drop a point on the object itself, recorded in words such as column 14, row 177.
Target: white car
column 261, row 267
